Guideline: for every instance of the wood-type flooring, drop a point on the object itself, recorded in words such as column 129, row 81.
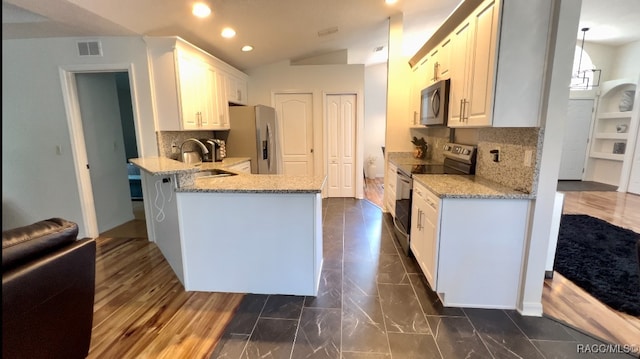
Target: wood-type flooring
column 142, row 311
column 565, row 301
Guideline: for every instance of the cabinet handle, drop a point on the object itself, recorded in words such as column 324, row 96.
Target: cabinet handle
column 461, row 113
column 466, row 117
column 435, row 71
column 419, row 219
column 239, row 95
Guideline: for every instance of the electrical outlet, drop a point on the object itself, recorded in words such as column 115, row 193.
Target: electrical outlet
column 528, row 157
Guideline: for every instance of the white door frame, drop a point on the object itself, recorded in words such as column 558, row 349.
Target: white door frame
column 358, row 141
column 76, row 134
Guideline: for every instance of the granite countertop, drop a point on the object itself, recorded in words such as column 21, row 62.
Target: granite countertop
column 241, row 183
column 407, row 158
column 250, row 183
column 464, row 186
column 162, row 166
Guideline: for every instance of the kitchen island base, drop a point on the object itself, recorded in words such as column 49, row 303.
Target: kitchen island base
column 263, row 243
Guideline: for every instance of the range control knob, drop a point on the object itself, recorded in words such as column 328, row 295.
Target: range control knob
column 466, row 152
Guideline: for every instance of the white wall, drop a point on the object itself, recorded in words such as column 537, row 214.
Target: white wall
column 627, row 60
column 602, row 57
column 375, row 114
column 619, row 62
column 38, row 183
column 267, row 80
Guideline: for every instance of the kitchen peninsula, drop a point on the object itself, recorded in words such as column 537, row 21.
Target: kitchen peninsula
column 243, row 233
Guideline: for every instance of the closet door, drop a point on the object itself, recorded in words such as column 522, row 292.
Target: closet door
column 341, row 130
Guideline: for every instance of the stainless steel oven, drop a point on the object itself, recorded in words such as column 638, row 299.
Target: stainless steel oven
column 459, row 160
column 402, row 221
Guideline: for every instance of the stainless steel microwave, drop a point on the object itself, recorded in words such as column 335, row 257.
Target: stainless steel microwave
column 434, row 104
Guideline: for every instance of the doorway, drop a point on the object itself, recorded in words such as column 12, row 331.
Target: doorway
column 102, row 123
column 341, row 129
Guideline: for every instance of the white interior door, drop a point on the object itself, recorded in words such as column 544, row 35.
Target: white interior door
column 576, row 136
column 295, row 119
column 341, row 123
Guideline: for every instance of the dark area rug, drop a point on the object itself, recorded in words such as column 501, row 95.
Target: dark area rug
column 600, row 258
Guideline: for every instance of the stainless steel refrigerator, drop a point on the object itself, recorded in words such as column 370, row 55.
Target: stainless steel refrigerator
column 253, row 134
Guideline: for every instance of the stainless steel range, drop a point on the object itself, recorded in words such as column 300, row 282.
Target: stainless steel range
column 459, row 160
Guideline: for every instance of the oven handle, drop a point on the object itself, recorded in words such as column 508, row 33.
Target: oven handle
column 402, row 177
column 398, row 228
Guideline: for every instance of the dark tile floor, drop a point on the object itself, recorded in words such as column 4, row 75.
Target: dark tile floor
column 374, row 303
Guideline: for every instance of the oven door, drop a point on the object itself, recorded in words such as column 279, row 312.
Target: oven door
column 402, row 219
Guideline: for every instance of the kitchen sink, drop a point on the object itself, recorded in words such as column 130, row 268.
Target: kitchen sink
column 214, row 173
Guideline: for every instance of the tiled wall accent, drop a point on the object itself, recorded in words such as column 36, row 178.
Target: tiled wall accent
column 512, row 142
column 166, row 138
column 436, row 139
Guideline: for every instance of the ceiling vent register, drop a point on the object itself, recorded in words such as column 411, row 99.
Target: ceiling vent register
column 89, row 48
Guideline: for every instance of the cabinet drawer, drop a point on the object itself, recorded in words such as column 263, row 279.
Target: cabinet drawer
column 431, row 198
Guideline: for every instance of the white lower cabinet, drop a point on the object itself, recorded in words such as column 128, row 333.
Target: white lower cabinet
column 469, row 249
column 390, row 189
column 162, row 219
column 242, row 167
column 425, row 221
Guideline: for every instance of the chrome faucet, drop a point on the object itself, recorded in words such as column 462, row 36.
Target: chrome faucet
column 202, row 146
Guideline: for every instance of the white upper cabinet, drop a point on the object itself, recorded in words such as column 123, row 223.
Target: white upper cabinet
column 222, row 114
column 444, row 59
column 495, row 56
column 197, row 89
column 189, row 86
column 236, row 88
column 472, row 70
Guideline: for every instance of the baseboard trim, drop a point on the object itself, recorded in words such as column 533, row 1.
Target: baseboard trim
column 531, row 309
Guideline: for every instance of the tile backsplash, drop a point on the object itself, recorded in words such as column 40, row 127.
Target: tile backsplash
column 167, row 138
column 513, row 144
column 436, row 138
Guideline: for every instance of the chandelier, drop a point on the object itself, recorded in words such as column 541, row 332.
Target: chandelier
column 587, row 78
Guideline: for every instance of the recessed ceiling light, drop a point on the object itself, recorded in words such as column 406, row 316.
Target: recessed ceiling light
column 228, row 32
column 201, row 10
column 390, row 2
column 247, row 48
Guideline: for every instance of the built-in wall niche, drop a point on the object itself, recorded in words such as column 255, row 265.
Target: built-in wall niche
column 611, row 130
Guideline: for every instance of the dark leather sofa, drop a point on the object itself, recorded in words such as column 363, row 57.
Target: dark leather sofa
column 48, row 286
